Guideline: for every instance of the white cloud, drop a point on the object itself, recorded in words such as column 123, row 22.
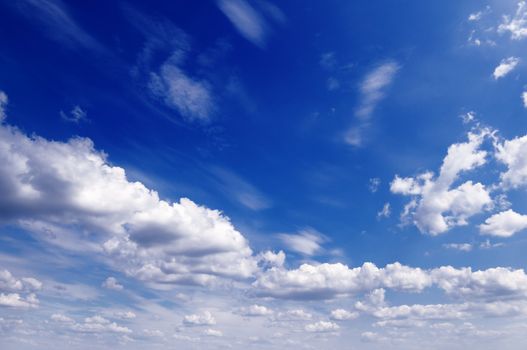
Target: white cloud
column 513, row 153
column 3, row 104
column 516, row 25
column 76, row 115
column 374, row 184
column 343, row 315
column 524, row 99
column 327, row 281
column 506, row 66
column 270, row 258
column 385, row 212
column 98, row 324
column 213, row 332
column 504, row 224
column 307, row 242
column 59, row 191
column 464, row 247
column 58, row 22
column 372, row 90
column 246, row 20
column 255, row 310
column 61, row 318
column 295, row 315
column 191, row 97
column 476, row 16
column 435, row 207
column 154, row 333
column 125, row 315
column 15, row 300
column 322, row 326
column 111, row 283
column 202, row 319
column 18, row 293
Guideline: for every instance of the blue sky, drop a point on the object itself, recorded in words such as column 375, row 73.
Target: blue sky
column 235, row 173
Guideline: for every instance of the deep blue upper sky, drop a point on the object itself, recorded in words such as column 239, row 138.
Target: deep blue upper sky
column 291, row 118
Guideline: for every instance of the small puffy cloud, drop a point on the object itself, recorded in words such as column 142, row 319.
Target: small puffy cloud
column 18, row 293
column 124, row 315
column 513, row 153
column 504, row 224
column 476, row 16
column 213, row 332
column 15, row 300
column 374, row 184
column 506, row 66
column 202, row 319
column 464, row 247
column 307, row 242
column 524, row 99
column 153, row 333
column 111, row 283
column 98, row 324
column 3, row 104
column 516, row 25
column 294, row 315
column 435, row 207
column 255, row 310
column 76, row 115
column 61, row 318
column 343, row 315
column 385, row 212
column 322, row 327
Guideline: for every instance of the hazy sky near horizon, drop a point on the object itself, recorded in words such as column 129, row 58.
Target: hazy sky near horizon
column 239, row 174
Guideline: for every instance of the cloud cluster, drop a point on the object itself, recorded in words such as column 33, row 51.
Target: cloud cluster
column 516, row 25
column 436, row 207
column 68, row 194
column 18, row 293
column 326, row 281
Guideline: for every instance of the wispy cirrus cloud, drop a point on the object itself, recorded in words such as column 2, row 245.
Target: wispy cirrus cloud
column 58, row 23
column 250, row 21
column 372, row 92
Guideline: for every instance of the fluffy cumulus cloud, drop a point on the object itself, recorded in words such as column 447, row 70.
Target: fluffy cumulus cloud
column 98, row 324
column 18, row 292
column 328, row 281
column 343, row 315
column 255, row 310
column 111, row 283
column 524, row 99
column 322, row 327
column 506, row 66
column 203, row 319
column 68, row 194
column 436, row 207
column 516, row 25
column 504, row 224
column 513, row 154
